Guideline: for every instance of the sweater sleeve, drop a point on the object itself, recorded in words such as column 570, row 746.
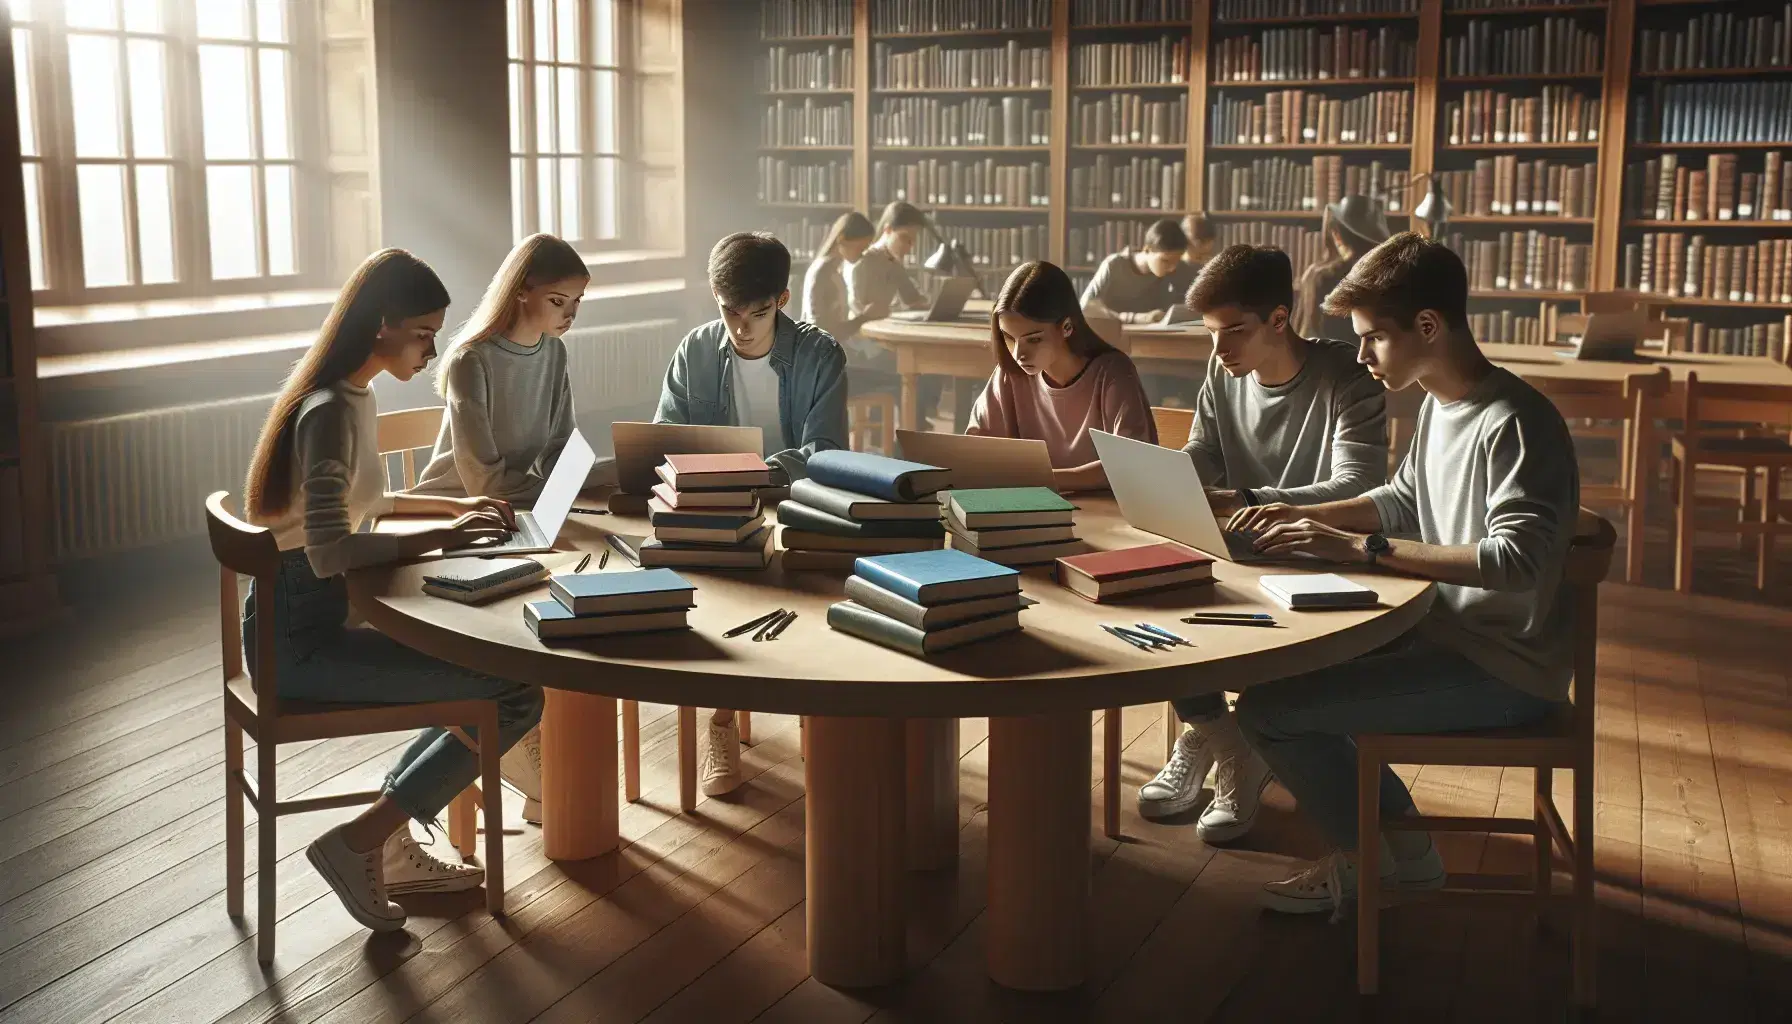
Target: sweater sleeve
column 1096, row 289
column 1532, row 494
column 1397, row 501
column 324, row 448
column 1203, row 445
column 1359, row 456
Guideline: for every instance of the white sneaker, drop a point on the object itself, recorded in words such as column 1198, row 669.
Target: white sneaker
column 355, row 878
column 408, row 867
column 1426, row 871
column 1328, row 884
column 521, row 767
column 1239, row 776
column 721, row 761
column 1177, row 785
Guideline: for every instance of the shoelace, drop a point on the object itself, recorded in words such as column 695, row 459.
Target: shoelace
column 1225, row 783
column 1332, row 867
column 1176, row 772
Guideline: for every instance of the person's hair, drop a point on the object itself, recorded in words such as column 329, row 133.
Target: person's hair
column 537, row 260
column 1197, row 228
column 1042, row 291
column 899, row 215
column 388, row 287
column 749, row 267
column 1255, row 278
column 1165, row 236
column 1402, row 276
column 846, row 226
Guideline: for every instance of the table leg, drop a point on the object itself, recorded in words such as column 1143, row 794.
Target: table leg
column 932, row 793
column 910, row 401
column 578, row 775
column 855, row 863
column 1038, row 919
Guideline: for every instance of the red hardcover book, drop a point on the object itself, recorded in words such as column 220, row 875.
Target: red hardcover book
column 694, row 472
column 1103, row 574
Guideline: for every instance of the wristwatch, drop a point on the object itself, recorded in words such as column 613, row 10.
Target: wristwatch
column 1375, row 545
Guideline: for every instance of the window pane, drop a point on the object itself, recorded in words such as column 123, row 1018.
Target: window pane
column 270, row 20
column 149, row 98
column 607, row 141
column 543, row 16
column 545, row 190
column 567, row 113
column 518, row 119
column 21, row 9
column 544, row 108
column 518, row 189
column 603, row 31
column 224, row 79
column 276, row 141
column 566, row 34
column 606, row 211
column 230, row 202
column 143, row 15
column 221, row 19
column 282, row 254
column 155, row 223
column 104, row 262
column 91, row 13
column 95, row 93
column 34, row 222
column 513, row 28
column 21, row 79
column 569, row 198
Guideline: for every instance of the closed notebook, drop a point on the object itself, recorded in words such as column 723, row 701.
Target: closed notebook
column 862, row 622
column 930, row 577
column 803, row 540
column 694, row 472
column 1025, row 554
column 1102, row 574
column 551, row 620
column 858, row 507
column 797, row 516
column 1317, row 590
column 682, row 500
column 918, row 616
column 985, row 508
column 474, row 580
column 599, row 593
column 877, row 475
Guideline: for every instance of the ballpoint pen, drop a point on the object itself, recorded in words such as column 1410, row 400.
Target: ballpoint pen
column 1266, row 623
column 781, row 625
column 590, row 511
column 1166, row 634
column 1150, row 638
column 769, row 623
column 1140, row 644
column 746, row 627
column 602, row 561
column 583, row 562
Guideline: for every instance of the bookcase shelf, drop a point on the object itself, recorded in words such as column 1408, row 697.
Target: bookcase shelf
column 935, row 90
column 974, row 208
column 1690, row 301
column 959, row 33
column 1564, row 76
column 1715, row 72
column 1501, row 293
column 1746, row 225
column 805, row 39
column 1177, row 86
column 1309, row 19
column 806, row 92
column 882, row 148
column 806, row 149
column 1311, row 83
column 1314, row 147
column 1530, row 9
column 796, row 205
column 1130, row 147
column 1661, row 146
column 1120, row 211
column 1527, row 147
column 1266, row 214
column 1523, row 218
column 1125, row 25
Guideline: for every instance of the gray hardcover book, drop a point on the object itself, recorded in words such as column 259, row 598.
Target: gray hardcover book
column 923, row 617
column 862, row 622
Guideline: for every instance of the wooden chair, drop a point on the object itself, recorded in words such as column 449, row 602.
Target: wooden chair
column 252, row 705
column 871, row 422
column 1564, row 740
column 401, row 433
column 1697, row 448
column 1173, row 425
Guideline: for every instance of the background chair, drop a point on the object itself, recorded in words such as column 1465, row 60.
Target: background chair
column 401, row 433
column 252, row 705
column 871, row 422
column 1564, row 740
column 1699, row 446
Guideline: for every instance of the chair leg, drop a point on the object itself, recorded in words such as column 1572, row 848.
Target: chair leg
column 1172, row 730
column 687, row 759
column 1747, row 511
column 233, row 817
column 1110, row 772
column 745, row 718
column 463, row 822
column 1585, row 949
column 266, row 856
column 492, row 797
column 802, row 727
column 1770, row 504
column 1684, row 517
column 631, row 751
column 1368, row 873
column 1544, row 841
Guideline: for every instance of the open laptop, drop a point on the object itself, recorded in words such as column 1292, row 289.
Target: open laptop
column 1177, row 318
column 1611, row 338
column 978, row 460
column 640, row 447
column 538, row 528
column 1160, row 492
column 947, row 305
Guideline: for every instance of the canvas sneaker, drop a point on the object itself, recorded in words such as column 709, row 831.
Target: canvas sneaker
column 1177, row 785
column 1239, row 777
column 1329, row 884
column 408, row 867
column 721, row 761
column 521, row 768
column 355, row 878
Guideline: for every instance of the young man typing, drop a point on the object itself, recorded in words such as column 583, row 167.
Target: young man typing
column 1488, row 496
column 1279, row 418
column 754, row 366
column 1140, row 285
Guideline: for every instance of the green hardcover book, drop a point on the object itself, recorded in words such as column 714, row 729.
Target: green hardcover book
column 986, row 508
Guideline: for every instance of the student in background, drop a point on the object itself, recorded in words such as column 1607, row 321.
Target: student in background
column 1140, row 285
column 314, row 480
column 1486, row 505
column 755, row 367
column 1353, row 225
column 878, row 282
column 1201, row 243
column 825, row 298
column 1279, row 418
column 1055, row 379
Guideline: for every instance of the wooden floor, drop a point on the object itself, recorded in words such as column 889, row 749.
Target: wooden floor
column 112, row 868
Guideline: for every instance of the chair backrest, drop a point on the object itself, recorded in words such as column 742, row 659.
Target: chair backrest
column 1589, row 563
column 406, row 430
column 1173, row 425
column 1732, row 403
column 242, row 548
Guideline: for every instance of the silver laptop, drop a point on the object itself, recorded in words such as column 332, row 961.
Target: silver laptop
column 1159, row 491
column 1611, row 338
column 536, row 529
column 977, row 460
column 947, row 305
column 640, row 447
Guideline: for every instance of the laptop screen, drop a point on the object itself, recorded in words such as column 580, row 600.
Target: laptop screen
column 563, row 485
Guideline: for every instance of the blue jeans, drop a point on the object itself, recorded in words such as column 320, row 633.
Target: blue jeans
column 322, row 659
column 1303, row 725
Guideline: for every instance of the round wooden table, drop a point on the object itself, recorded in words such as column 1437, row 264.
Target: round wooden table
column 1037, row 687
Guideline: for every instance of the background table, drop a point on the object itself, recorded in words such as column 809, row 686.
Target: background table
column 1037, row 687
column 1542, row 361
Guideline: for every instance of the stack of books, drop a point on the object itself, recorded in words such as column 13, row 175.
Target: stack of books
column 925, row 602
column 706, row 513
column 607, row 603
column 1015, row 526
column 856, row 503
column 1103, row 575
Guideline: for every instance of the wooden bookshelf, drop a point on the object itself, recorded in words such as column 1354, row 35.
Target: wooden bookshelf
column 807, row 79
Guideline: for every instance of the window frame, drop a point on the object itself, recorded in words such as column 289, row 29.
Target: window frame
column 63, row 252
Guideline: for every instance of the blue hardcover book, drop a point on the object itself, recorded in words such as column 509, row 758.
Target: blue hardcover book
column 877, row 475
column 600, row 593
column 930, row 577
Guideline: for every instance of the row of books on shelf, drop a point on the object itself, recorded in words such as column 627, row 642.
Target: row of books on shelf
column 1129, row 119
column 1303, row 245
column 1252, row 10
column 1309, row 53
column 1010, row 66
column 1718, row 39
column 1089, row 244
column 1139, row 183
column 1561, row 113
column 1280, row 184
column 973, row 121
column 1556, row 46
column 1507, row 186
column 782, row 19
column 801, row 235
column 992, row 248
column 1510, row 327
column 806, row 122
column 1670, row 188
column 916, row 16
column 1302, row 116
column 972, row 182
column 1523, row 261
column 1689, row 266
column 1713, row 112
column 1769, row 339
column 782, row 180
column 1160, row 61
column 1098, row 13
column 828, row 68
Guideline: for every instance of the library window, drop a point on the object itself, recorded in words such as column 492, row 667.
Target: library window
column 161, row 143
column 567, row 83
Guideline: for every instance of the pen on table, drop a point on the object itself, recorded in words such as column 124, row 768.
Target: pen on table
column 605, row 560
column 583, row 562
column 1166, row 634
column 781, row 625
column 1232, row 615
column 755, row 623
column 769, row 623
column 1266, row 623
column 1140, row 644
column 1150, row 638
column 611, row 540
column 591, row 511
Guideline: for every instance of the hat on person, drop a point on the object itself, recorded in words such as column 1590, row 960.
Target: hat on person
column 1362, row 217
